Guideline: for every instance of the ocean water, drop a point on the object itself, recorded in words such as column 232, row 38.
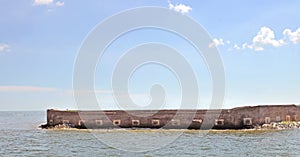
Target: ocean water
column 20, row 136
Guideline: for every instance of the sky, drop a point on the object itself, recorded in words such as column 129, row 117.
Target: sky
column 258, row 42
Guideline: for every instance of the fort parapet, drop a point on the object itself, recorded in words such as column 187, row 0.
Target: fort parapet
column 235, row 118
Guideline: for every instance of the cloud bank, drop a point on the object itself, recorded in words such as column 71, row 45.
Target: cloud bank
column 265, row 38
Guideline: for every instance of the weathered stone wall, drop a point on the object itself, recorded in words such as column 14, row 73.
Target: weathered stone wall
column 236, row 118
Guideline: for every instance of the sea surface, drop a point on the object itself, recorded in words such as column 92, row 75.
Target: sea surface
column 20, row 136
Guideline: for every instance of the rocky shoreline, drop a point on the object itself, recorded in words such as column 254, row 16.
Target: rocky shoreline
column 280, row 125
column 272, row 126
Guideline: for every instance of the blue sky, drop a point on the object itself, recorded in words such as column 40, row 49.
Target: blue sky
column 258, row 41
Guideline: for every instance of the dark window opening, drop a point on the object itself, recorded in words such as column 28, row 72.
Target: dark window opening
column 155, row 122
column 135, row 122
column 219, row 122
column 117, row 122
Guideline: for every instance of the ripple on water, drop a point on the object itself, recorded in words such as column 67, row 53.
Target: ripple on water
column 26, row 140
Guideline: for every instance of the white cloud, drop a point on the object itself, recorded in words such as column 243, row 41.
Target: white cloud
column 49, row 2
column 26, row 89
column 265, row 37
column 59, row 3
column 294, row 37
column 235, row 46
column 42, row 2
column 244, row 46
column 4, row 47
column 184, row 9
column 217, row 42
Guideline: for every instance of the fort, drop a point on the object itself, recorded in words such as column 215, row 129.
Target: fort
column 235, row 118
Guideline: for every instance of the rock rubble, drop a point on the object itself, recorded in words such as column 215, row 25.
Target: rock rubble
column 280, row 125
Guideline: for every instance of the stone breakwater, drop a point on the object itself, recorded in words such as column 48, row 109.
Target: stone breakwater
column 280, row 125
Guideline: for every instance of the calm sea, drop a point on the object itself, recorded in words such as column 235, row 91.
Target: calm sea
column 20, row 136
